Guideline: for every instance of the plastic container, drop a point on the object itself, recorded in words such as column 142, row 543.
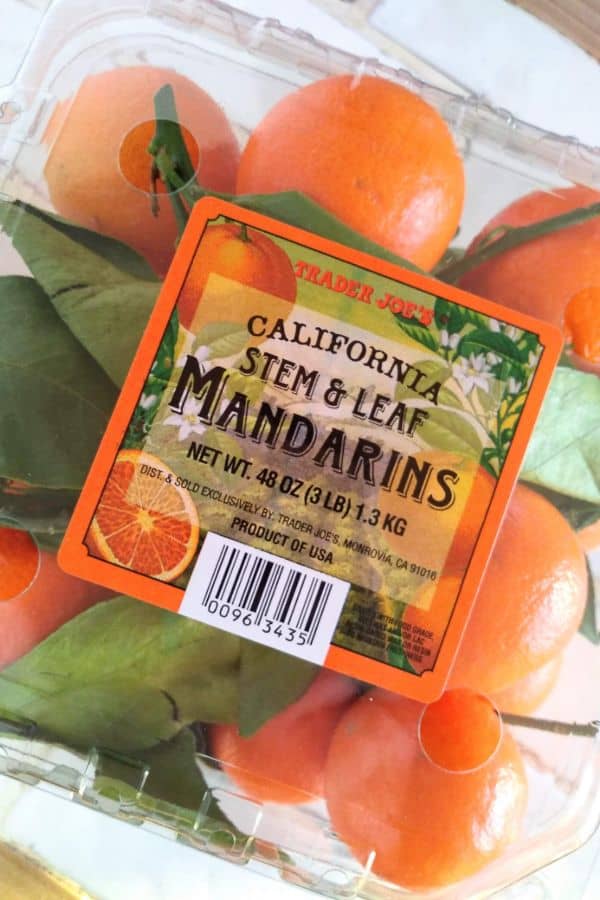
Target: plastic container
column 246, row 65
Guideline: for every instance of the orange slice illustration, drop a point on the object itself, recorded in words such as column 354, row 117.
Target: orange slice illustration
column 145, row 521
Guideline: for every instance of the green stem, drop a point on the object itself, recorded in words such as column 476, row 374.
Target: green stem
column 514, row 237
column 590, row 729
column 168, row 136
column 170, row 157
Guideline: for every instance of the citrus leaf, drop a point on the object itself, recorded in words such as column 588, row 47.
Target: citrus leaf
column 55, row 399
column 42, row 511
column 448, row 315
column 483, row 341
column 168, row 772
column 269, row 682
column 564, row 452
column 119, row 255
column 447, row 430
column 223, row 338
column 419, row 333
column 297, row 209
column 125, row 675
column 579, row 513
column 165, row 783
column 105, row 307
column 109, row 322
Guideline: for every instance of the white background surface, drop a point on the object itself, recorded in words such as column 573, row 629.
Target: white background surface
column 496, row 50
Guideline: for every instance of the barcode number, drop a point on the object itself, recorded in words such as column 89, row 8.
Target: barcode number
column 264, row 597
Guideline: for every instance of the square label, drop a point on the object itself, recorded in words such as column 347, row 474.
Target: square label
column 313, row 449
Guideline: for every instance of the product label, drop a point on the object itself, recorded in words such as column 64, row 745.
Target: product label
column 313, row 449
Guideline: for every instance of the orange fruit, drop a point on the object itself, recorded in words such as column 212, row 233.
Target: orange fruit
column 369, row 151
column 144, row 522
column 19, row 561
column 525, row 695
column 248, row 257
column 429, row 531
column 52, row 599
column 427, row 827
column 284, row 761
column 461, row 731
column 555, row 277
column 582, row 324
column 531, row 599
column 99, row 170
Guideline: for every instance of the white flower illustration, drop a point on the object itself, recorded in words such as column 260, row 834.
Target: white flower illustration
column 188, row 421
column 449, row 340
column 493, row 358
column 148, row 401
column 202, row 353
column 472, row 372
column 513, row 385
column 515, row 334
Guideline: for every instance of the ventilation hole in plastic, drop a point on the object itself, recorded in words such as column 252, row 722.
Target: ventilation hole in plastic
column 461, row 731
column 336, row 878
column 137, row 165
column 9, row 111
column 19, row 560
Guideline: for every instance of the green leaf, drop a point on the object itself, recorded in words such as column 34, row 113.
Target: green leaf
column 105, row 307
column 447, row 430
column 55, row 399
column 435, row 370
column 579, row 513
column 43, row 512
column 448, row 315
column 483, row 341
column 297, row 209
column 119, row 255
column 165, row 782
column 591, row 618
column 269, row 682
column 564, row 452
column 125, row 675
column 109, row 321
column 419, row 333
column 167, row 772
column 223, row 338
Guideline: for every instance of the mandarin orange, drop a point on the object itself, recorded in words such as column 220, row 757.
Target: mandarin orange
column 19, row 561
column 427, row 827
column 369, row 151
column 284, row 761
column 99, row 170
column 52, row 599
column 555, row 277
column 531, row 599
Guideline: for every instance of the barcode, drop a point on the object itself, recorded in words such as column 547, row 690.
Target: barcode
column 264, row 597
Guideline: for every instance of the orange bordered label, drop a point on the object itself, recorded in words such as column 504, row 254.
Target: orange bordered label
column 313, row 449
